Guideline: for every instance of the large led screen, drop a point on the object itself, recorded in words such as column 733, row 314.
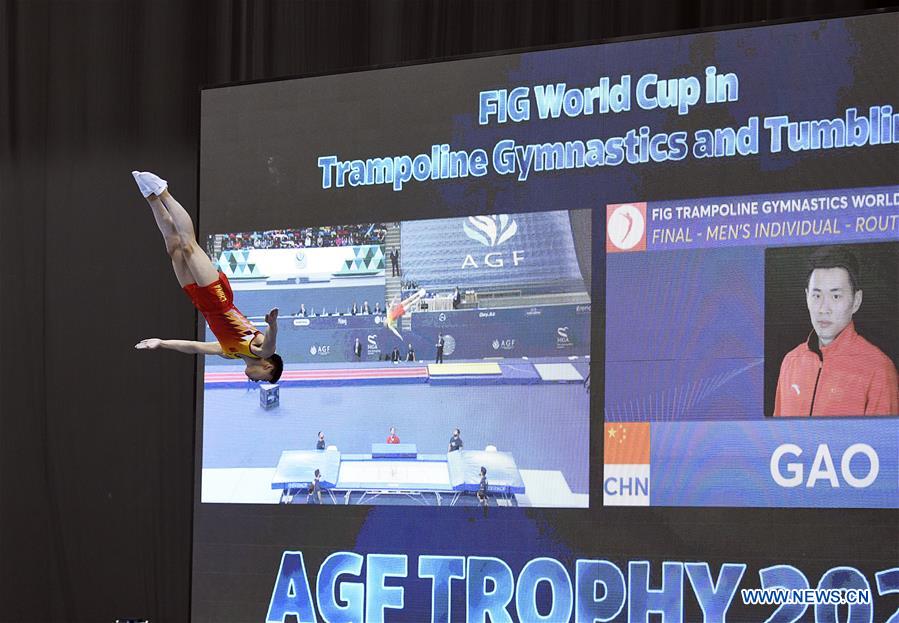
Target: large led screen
column 408, row 349
column 604, row 333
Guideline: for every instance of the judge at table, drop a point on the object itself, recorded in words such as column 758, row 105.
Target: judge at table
column 392, row 438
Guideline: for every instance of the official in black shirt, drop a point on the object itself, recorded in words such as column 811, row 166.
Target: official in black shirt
column 321, row 441
column 482, row 488
column 316, row 489
column 455, row 442
column 440, row 343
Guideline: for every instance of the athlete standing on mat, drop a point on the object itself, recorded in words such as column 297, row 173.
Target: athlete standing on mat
column 209, row 291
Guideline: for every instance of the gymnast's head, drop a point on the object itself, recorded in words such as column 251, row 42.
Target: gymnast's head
column 268, row 369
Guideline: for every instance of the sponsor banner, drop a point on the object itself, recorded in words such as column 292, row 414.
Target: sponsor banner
column 567, row 589
column 827, row 462
column 333, row 339
column 329, row 323
column 532, row 250
column 771, row 219
column 546, row 331
column 468, row 334
column 497, row 318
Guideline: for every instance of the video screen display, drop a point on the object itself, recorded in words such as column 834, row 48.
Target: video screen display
column 751, row 350
column 407, row 349
column 520, row 297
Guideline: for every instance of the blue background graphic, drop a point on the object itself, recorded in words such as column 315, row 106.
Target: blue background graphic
column 705, row 464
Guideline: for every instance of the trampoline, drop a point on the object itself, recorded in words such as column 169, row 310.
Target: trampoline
column 427, row 479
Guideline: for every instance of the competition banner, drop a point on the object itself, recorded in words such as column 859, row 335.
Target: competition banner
column 375, row 586
column 819, row 217
column 819, row 464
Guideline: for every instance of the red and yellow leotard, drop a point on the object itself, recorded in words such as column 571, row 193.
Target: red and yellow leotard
column 394, row 314
column 232, row 329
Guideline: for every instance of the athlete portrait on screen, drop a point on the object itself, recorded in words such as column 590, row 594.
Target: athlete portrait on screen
column 209, row 291
column 835, row 372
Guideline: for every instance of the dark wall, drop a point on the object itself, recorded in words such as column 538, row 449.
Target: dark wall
column 96, row 439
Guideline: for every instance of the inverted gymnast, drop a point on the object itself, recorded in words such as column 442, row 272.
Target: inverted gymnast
column 397, row 309
column 209, row 291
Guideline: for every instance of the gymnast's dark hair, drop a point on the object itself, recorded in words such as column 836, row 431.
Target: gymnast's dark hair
column 278, row 364
column 835, row 257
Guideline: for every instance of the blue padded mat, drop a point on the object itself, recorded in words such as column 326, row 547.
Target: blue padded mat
column 502, row 472
column 513, row 373
column 296, row 469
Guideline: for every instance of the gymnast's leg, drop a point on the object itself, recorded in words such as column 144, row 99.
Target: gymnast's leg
column 170, row 235
column 413, row 298
column 183, row 239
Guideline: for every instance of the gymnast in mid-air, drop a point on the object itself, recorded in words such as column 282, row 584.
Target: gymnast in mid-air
column 210, row 292
column 397, row 309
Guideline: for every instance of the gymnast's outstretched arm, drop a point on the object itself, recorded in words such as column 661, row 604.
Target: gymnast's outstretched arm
column 182, row 346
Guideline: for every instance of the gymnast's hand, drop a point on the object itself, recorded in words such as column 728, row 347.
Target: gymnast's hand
column 149, row 344
column 272, row 316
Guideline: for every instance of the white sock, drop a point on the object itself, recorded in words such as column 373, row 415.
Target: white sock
column 140, row 184
column 153, row 183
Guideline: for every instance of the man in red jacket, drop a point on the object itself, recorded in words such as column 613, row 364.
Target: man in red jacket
column 835, row 371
